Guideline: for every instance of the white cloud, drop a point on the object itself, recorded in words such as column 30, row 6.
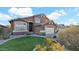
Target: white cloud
column 55, row 15
column 62, row 12
column 24, row 12
column 4, row 17
column 71, row 21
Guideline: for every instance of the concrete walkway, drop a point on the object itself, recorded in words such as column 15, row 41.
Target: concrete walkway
column 11, row 37
column 17, row 36
column 34, row 35
column 3, row 41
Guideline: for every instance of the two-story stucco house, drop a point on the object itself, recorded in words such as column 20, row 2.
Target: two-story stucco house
column 36, row 24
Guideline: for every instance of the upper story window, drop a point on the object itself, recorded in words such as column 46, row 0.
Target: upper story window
column 37, row 20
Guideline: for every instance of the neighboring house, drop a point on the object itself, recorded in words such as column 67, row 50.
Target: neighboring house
column 60, row 26
column 4, row 32
column 5, row 28
column 36, row 24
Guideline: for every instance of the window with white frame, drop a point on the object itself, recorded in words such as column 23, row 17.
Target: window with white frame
column 37, row 20
column 20, row 26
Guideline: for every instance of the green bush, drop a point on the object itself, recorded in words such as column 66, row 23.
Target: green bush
column 70, row 37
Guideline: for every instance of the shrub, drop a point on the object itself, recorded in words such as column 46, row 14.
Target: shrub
column 49, row 45
column 70, row 37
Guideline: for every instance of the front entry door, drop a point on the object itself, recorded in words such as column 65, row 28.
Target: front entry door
column 30, row 26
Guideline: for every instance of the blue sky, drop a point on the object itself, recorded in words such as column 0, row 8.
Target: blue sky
column 60, row 15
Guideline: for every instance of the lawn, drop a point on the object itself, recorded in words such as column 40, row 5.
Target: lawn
column 21, row 44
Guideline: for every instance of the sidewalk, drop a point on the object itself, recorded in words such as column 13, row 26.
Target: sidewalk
column 11, row 37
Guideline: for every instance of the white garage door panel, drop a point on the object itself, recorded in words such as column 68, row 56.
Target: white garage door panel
column 49, row 30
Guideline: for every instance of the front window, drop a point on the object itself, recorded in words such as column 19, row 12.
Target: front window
column 20, row 26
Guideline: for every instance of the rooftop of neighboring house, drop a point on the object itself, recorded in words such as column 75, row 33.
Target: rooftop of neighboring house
column 2, row 26
column 6, row 28
column 60, row 26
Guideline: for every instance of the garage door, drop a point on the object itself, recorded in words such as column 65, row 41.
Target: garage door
column 49, row 30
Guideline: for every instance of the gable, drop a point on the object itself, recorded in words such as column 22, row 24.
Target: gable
column 31, row 18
